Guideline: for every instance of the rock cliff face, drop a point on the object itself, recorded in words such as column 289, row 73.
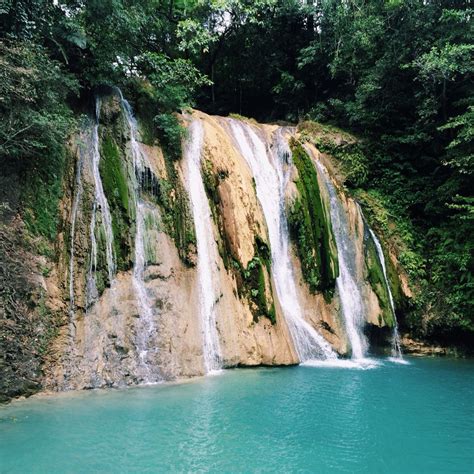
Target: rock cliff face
column 140, row 323
column 372, row 288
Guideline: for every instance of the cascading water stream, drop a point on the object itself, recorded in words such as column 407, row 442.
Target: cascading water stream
column 271, row 176
column 396, row 346
column 100, row 203
column 206, row 247
column 140, row 165
column 349, row 293
column 91, row 290
column 74, row 211
column 144, row 306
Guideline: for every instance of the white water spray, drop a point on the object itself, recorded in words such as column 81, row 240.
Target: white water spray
column 271, row 177
column 349, row 293
column 396, row 347
column 206, row 247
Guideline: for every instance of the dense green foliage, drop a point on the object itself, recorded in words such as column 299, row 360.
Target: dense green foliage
column 398, row 73
column 33, row 127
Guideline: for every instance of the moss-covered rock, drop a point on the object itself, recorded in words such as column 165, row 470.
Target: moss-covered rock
column 168, row 191
column 310, row 226
column 114, row 179
column 28, row 324
column 254, row 279
column 377, row 281
column 42, row 189
column 211, row 181
column 254, row 282
column 398, row 231
column 183, row 229
column 349, row 151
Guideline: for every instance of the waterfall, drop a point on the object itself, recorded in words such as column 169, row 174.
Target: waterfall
column 271, row 176
column 91, row 287
column 147, row 329
column 100, row 202
column 74, row 211
column 144, row 307
column 396, row 347
column 349, row 293
column 206, row 247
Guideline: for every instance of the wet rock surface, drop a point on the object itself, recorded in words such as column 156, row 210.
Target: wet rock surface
column 104, row 340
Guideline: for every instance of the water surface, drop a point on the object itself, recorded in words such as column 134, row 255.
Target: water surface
column 391, row 418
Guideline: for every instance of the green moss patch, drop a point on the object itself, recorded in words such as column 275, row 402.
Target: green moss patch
column 310, row 227
column 252, row 282
column 346, row 148
column 183, row 229
column 176, row 215
column 114, row 180
column 377, row 282
column 212, row 179
column 42, row 190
